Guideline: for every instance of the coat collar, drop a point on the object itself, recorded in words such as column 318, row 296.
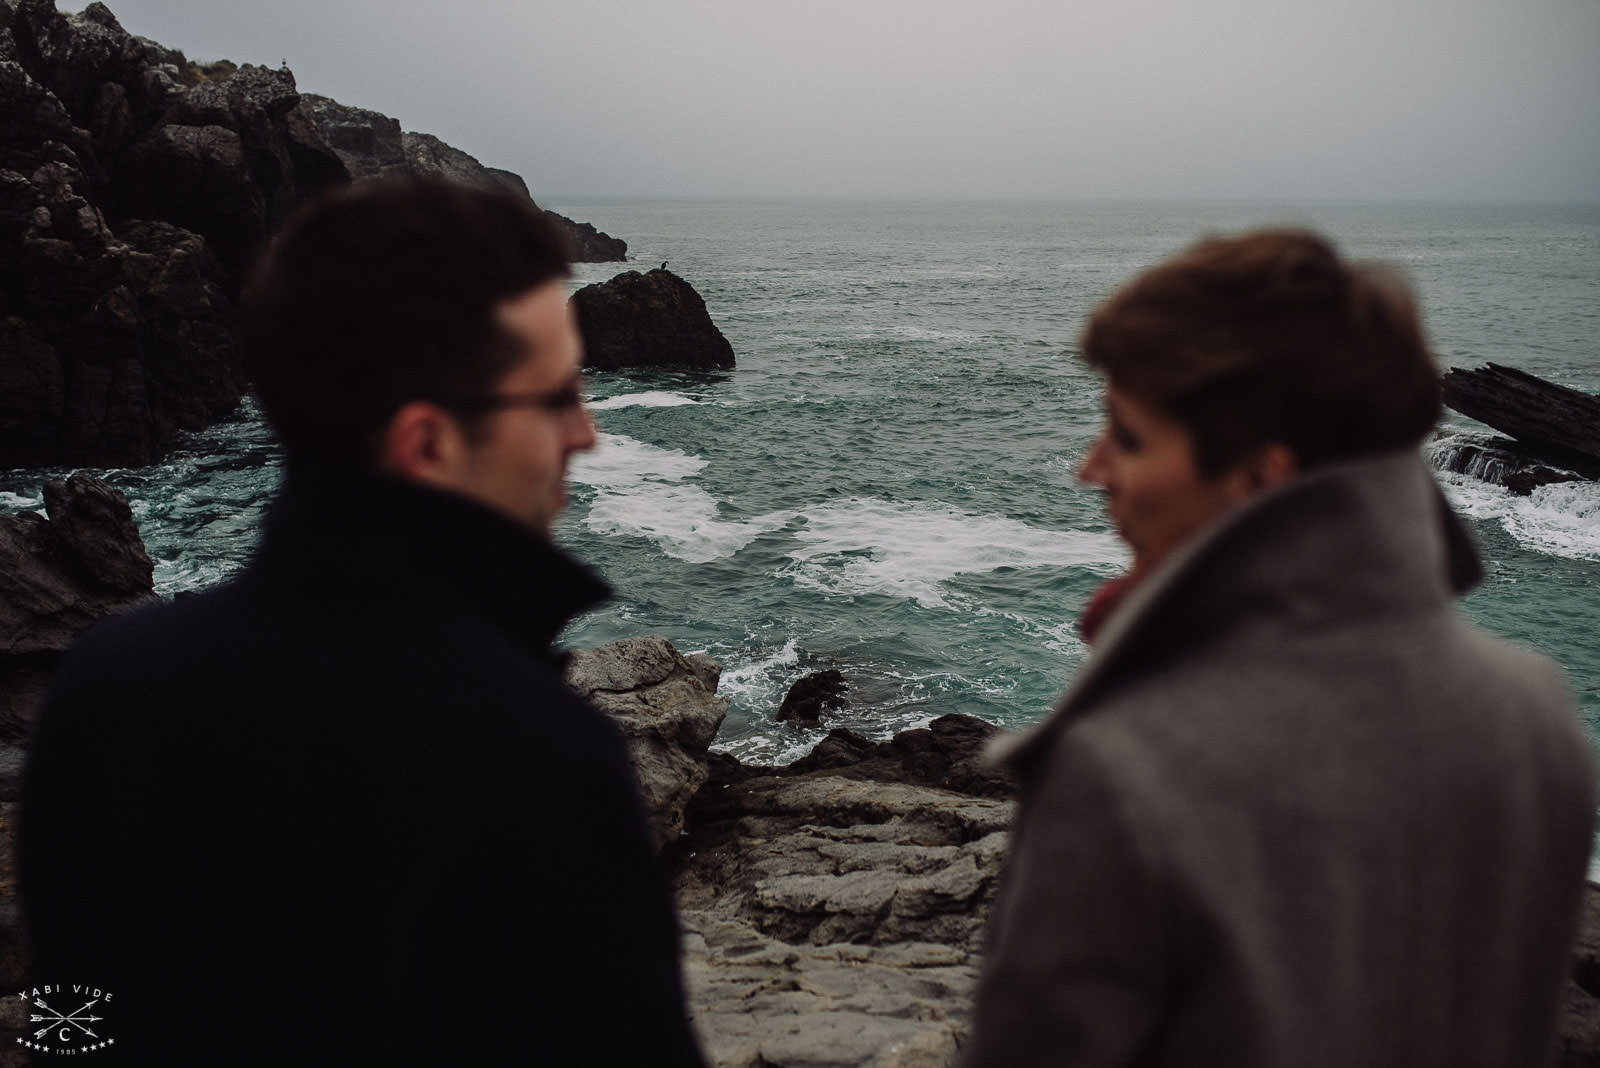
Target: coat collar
column 344, row 527
column 1341, row 543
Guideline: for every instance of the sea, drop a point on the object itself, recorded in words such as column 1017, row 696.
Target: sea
column 886, row 483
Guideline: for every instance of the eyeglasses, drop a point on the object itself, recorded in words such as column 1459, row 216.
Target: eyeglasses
column 558, row 401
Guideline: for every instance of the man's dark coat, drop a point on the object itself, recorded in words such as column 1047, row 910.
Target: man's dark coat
column 344, row 810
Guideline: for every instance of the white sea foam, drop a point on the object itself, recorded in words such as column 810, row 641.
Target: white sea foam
column 783, row 743
column 786, row 657
column 922, row 333
column 641, row 491
column 16, row 502
column 1059, row 635
column 1561, row 519
column 760, row 682
column 1064, row 638
column 654, row 398
column 617, row 462
column 761, row 676
column 869, row 546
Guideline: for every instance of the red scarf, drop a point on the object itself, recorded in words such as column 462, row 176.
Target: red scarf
column 1101, row 603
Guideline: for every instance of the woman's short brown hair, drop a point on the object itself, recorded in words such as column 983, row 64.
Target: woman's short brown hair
column 1271, row 337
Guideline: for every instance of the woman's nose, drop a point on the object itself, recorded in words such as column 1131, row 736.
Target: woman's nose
column 1092, row 470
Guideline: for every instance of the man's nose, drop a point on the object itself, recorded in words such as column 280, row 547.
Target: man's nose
column 583, row 433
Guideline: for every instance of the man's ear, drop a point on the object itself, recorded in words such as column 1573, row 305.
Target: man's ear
column 422, row 443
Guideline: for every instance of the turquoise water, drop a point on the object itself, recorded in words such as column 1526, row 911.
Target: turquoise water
column 885, row 483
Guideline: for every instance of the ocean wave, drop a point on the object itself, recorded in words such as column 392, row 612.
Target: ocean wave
column 654, row 398
column 1055, row 634
column 640, row 491
column 617, row 461
column 759, row 678
column 1561, row 519
column 913, row 332
column 17, row 502
column 909, row 550
column 740, row 679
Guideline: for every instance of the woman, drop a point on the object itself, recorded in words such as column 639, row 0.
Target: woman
column 1294, row 811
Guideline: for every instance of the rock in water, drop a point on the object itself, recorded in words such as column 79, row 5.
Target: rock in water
column 667, row 707
column 808, row 698
column 1558, row 425
column 655, row 319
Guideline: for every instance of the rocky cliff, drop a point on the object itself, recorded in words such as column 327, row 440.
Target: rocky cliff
column 126, row 209
column 370, row 143
column 134, row 188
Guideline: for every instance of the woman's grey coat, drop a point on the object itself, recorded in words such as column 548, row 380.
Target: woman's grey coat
column 1295, row 811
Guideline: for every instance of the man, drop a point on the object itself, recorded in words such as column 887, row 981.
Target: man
column 1294, row 810
column 343, row 810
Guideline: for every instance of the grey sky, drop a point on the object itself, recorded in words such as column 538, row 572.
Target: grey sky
column 1217, row 99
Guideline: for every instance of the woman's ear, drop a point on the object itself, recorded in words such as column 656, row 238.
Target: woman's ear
column 422, row 443
column 1259, row 470
column 1270, row 465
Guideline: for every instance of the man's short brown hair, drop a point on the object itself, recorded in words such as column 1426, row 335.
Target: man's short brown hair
column 1271, row 337
column 384, row 292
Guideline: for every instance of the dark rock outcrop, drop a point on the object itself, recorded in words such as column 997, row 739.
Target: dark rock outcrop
column 655, row 319
column 228, row 159
column 371, row 143
column 367, row 143
column 129, row 203
column 135, row 187
column 590, row 245
column 57, row 577
column 1554, row 424
column 808, row 698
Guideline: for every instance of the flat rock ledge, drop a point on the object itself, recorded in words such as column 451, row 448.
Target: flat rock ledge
column 832, row 919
